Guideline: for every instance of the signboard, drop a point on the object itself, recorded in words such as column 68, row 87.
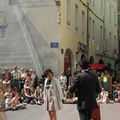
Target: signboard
column 83, row 47
column 54, row 44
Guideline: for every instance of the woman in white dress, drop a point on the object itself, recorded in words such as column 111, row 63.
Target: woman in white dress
column 52, row 94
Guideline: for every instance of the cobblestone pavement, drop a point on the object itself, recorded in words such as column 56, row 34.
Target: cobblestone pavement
column 69, row 112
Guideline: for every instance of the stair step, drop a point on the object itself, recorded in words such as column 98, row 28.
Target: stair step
column 44, row 3
column 13, row 48
column 10, row 64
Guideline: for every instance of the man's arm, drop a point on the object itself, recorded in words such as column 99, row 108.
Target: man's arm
column 74, row 86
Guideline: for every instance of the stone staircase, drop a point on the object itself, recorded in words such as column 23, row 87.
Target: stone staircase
column 13, row 48
column 41, row 20
column 27, row 45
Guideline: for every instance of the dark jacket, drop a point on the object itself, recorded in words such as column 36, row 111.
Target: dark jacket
column 87, row 86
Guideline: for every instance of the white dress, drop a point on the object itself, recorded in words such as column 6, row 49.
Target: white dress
column 52, row 95
column 50, row 100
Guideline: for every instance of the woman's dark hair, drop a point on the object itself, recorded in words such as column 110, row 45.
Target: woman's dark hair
column 48, row 71
column 43, row 75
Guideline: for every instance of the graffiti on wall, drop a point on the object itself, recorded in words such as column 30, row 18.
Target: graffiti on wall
column 3, row 25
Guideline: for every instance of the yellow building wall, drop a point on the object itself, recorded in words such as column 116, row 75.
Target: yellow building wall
column 98, row 15
column 69, row 36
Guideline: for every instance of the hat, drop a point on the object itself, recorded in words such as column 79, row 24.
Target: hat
column 84, row 64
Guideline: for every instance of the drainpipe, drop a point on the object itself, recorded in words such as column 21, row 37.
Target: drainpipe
column 118, row 32
column 104, row 32
column 88, row 29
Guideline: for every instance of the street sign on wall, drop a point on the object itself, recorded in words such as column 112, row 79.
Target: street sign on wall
column 54, row 44
column 83, row 47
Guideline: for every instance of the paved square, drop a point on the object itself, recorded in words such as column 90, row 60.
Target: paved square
column 69, row 112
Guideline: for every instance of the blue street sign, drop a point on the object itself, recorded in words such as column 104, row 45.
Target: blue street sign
column 54, row 44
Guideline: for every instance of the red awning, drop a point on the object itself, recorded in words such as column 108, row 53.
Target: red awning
column 96, row 66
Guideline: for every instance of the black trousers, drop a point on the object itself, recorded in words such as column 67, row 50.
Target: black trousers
column 85, row 114
column 15, row 84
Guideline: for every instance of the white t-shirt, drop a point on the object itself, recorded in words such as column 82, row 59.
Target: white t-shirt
column 7, row 103
column 63, row 80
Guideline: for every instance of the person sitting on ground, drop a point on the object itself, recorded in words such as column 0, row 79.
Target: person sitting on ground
column 8, row 101
column 9, row 90
column 118, row 98
column 2, row 98
column 38, row 95
column 0, row 74
column 27, row 84
column 32, row 78
column 22, row 79
column 70, row 100
column 63, row 82
column 29, row 81
column 15, row 103
column 2, row 114
column 104, row 97
column 29, row 97
column 115, row 92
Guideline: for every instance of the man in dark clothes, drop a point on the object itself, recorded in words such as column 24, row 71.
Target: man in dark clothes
column 87, row 86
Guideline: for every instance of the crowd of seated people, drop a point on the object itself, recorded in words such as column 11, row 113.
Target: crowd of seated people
column 21, row 87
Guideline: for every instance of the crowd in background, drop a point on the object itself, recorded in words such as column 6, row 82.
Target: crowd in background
column 109, row 82
column 23, row 86
column 20, row 87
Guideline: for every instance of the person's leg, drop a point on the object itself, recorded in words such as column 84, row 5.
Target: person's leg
column 82, row 115
column 50, row 115
column 89, row 114
column 29, row 100
column 54, row 115
column 85, row 114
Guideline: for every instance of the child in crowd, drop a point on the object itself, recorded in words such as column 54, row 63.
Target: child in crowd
column 8, row 101
column 38, row 95
column 27, row 84
column 70, row 100
column 2, row 114
column 104, row 97
column 12, row 102
column 1, row 99
column 15, row 103
column 118, row 98
column 29, row 97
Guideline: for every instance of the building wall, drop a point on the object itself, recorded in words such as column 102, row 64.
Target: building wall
column 96, row 15
column 4, row 2
column 119, row 27
column 41, row 20
column 111, row 28
column 101, row 47
column 69, row 36
column 101, row 14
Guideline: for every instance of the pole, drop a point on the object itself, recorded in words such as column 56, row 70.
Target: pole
column 88, row 29
column 104, row 33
